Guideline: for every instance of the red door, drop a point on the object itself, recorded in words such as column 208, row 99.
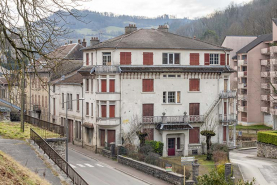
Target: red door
column 171, row 146
column 102, row 137
column 224, row 133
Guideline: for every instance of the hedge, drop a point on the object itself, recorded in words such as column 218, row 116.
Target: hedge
column 157, row 146
column 269, row 137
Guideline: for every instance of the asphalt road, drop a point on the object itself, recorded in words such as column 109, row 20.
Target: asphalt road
column 262, row 169
column 97, row 173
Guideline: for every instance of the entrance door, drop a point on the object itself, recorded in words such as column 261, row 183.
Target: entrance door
column 224, row 133
column 102, row 137
column 171, row 146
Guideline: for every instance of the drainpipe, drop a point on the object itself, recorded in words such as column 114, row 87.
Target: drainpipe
column 120, row 106
column 82, row 117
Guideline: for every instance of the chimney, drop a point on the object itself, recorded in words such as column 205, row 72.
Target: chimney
column 79, row 41
column 84, row 43
column 163, row 28
column 94, row 41
column 130, row 28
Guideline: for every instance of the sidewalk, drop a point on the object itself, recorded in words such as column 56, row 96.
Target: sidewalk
column 114, row 164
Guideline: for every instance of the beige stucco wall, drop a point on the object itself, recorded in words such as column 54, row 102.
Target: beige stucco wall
column 274, row 31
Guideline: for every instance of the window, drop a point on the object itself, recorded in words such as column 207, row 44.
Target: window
column 147, row 85
column 228, row 58
column 194, row 84
column 70, row 98
column 91, row 109
column 147, row 58
column 125, row 58
column 194, row 59
column 112, row 85
column 171, row 58
column 91, row 58
column 171, row 76
column 207, row 59
column 87, row 59
column 214, row 59
column 87, row 85
column 63, row 100
column 178, row 143
column 87, row 108
column 112, row 110
column 194, row 135
column 106, row 58
column 103, row 85
column 33, row 100
column 54, row 87
column 78, row 102
column 77, row 130
column 171, row 97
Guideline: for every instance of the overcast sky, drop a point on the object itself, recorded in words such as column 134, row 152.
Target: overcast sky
column 153, row 8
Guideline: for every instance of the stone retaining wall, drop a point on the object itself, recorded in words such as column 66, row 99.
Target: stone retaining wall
column 106, row 153
column 58, row 144
column 266, row 150
column 246, row 144
column 155, row 171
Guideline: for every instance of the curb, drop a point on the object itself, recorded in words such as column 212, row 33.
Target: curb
column 131, row 175
column 250, row 148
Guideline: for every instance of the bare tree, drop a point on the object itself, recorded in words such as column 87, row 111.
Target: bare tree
column 30, row 29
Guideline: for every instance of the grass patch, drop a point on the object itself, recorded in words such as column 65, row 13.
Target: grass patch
column 12, row 130
column 253, row 127
column 11, row 172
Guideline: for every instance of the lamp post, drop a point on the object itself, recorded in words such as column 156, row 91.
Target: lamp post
column 66, row 127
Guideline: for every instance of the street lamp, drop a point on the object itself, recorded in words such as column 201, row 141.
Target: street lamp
column 66, row 127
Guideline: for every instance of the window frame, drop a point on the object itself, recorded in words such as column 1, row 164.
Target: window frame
column 213, row 59
column 173, row 58
column 177, row 97
column 106, row 58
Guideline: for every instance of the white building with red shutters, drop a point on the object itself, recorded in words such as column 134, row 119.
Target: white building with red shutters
column 169, row 83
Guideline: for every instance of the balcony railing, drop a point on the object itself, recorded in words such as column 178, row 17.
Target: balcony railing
column 273, row 49
column 273, row 111
column 265, row 51
column 107, row 69
column 227, row 118
column 242, row 97
column 172, row 119
column 242, row 85
column 264, row 109
column 242, row 108
column 264, row 74
column 265, row 86
column 264, row 62
column 265, row 97
column 273, row 61
column 273, row 74
column 228, row 94
column 36, row 108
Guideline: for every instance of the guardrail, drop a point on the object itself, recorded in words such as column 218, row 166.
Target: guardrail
column 58, row 129
column 57, row 159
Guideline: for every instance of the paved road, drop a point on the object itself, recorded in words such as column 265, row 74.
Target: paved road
column 97, row 173
column 262, row 169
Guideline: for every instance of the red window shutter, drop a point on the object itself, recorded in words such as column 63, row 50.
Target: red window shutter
column 111, row 136
column 112, row 111
column 222, row 59
column 103, row 85
column 194, row 85
column 194, row 135
column 125, row 58
column 194, row 59
column 103, row 110
column 147, row 58
column 194, row 108
column 87, row 59
column 147, row 85
column 207, row 58
column 112, row 85
column 228, row 59
column 148, row 109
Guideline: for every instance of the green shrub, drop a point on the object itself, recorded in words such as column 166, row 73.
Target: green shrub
column 269, row 137
column 157, row 146
column 146, row 149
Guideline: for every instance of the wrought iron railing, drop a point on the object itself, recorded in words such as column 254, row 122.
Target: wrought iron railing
column 228, row 94
column 58, row 129
column 107, row 69
column 229, row 118
column 57, row 159
column 173, row 119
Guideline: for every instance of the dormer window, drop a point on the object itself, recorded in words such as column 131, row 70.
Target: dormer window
column 106, row 58
column 171, row 58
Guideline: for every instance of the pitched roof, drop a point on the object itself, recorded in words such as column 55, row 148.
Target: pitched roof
column 76, row 78
column 254, row 43
column 274, row 20
column 66, row 67
column 155, row 39
column 69, row 51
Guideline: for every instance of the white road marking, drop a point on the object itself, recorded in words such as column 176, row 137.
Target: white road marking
column 99, row 165
column 81, row 165
column 72, row 166
column 89, row 165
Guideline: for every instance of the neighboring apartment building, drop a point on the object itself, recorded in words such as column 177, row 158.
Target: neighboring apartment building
column 169, row 83
column 66, row 59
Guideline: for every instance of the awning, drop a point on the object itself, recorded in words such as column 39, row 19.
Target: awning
column 174, row 126
column 88, row 125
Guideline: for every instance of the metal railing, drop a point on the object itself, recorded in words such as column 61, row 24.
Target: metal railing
column 57, row 159
column 58, row 129
column 173, row 119
column 229, row 118
column 228, row 94
column 107, row 69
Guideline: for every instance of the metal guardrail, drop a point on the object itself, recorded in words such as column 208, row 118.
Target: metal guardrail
column 57, row 159
column 58, row 129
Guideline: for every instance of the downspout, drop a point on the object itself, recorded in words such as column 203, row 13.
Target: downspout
column 120, row 105
column 82, row 116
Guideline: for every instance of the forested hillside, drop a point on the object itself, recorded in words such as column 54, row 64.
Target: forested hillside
column 253, row 18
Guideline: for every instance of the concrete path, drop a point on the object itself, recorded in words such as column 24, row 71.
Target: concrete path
column 262, row 169
column 104, row 161
column 26, row 156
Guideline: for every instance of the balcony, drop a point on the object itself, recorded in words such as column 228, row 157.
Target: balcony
column 265, row 86
column 265, row 51
column 242, row 85
column 228, row 94
column 242, row 97
column 172, row 119
column 264, row 74
column 242, row 108
column 242, row 74
column 273, row 111
column 106, row 69
column 264, row 62
column 242, row 62
column 108, row 121
column 36, row 108
column 273, row 61
column 227, row 118
column 273, row 49
column 264, row 109
column 265, row 97
column 273, row 74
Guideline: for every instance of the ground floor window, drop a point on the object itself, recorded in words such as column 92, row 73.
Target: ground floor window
column 78, row 130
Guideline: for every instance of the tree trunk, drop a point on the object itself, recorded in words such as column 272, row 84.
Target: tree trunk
column 208, row 142
column 22, row 99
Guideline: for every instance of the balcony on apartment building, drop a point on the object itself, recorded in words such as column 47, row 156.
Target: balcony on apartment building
column 242, row 108
column 273, row 61
column 242, row 74
column 273, row 49
column 36, row 108
column 227, row 118
column 235, row 68
column 173, row 119
column 242, row 97
column 265, row 51
column 264, row 74
column 265, row 98
column 273, row 111
column 265, row 62
column 265, row 109
column 106, row 69
column 265, row 85
column 273, row 74
column 228, row 94
column 242, row 85
column 242, row 62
